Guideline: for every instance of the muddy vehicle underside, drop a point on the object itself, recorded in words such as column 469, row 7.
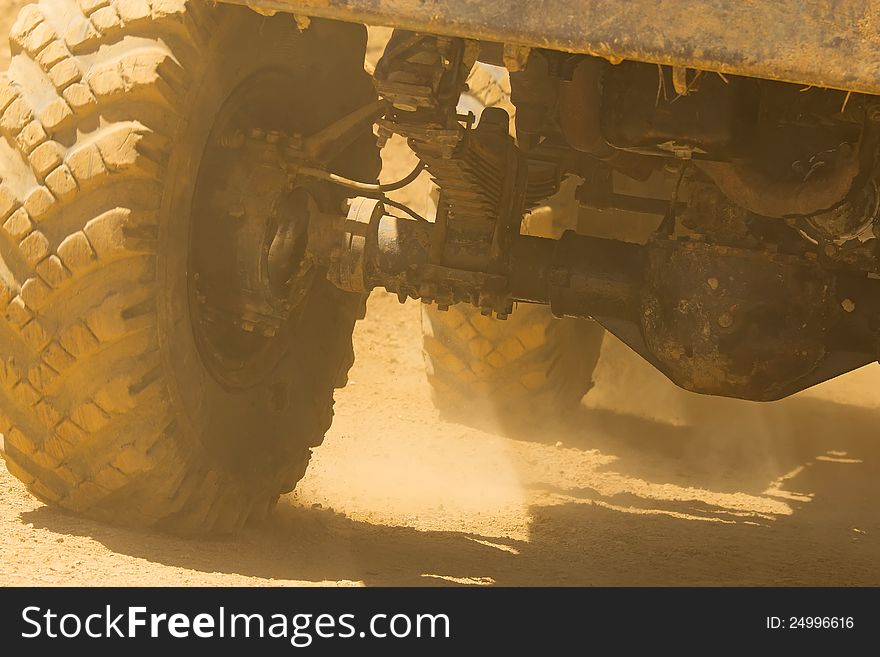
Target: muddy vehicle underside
column 743, row 128
column 191, row 219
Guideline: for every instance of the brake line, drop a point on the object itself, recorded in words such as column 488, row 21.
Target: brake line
column 405, row 208
column 362, row 186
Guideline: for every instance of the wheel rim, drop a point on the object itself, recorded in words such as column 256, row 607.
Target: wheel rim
column 247, row 272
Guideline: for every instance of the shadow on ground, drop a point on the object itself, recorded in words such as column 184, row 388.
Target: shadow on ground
column 813, row 463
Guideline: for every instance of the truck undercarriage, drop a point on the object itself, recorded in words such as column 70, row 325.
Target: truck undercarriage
column 191, row 219
column 761, row 277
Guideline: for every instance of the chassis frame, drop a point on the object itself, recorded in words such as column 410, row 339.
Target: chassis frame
column 706, row 343
column 811, row 42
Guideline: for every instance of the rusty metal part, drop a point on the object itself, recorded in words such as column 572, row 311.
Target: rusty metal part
column 580, row 101
column 597, row 192
column 578, row 276
column 372, row 249
column 647, row 126
column 628, row 203
column 715, row 319
column 851, row 223
column 729, row 321
column 486, row 182
column 534, row 90
column 325, row 145
column 719, row 320
column 758, row 193
column 486, row 186
column 717, row 219
column 825, row 44
column 350, row 272
column 255, row 227
column 421, row 73
column 638, row 110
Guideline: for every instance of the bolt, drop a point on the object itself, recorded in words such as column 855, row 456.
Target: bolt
column 725, row 321
column 848, row 305
column 682, row 151
column 712, row 282
column 295, row 141
column 873, row 113
column 382, row 136
column 233, row 140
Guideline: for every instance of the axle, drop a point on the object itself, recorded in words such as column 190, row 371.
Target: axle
column 714, row 319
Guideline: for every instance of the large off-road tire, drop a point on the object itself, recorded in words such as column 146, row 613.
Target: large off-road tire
column 530, row 366
column 107, row 404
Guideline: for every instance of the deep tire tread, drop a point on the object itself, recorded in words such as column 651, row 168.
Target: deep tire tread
column 531, row 366
column 78, row 208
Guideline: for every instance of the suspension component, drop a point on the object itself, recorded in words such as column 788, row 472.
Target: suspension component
column 714, row 319
column 729, row 312
column 486, row 182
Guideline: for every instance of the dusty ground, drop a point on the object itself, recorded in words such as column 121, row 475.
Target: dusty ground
column 649, row 486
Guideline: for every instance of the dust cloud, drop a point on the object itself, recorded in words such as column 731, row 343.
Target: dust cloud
column 644, row 485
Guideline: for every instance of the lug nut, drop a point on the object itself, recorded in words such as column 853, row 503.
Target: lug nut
column 725, row 321
column 233, row 140
column 848, row 305
column 712, row 282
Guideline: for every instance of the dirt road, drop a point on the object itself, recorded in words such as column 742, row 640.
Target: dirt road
column 645, row 485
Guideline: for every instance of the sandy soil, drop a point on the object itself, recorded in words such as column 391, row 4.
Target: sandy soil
column 645, row 485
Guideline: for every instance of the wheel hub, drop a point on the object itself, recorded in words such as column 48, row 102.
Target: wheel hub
column 248, row 271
